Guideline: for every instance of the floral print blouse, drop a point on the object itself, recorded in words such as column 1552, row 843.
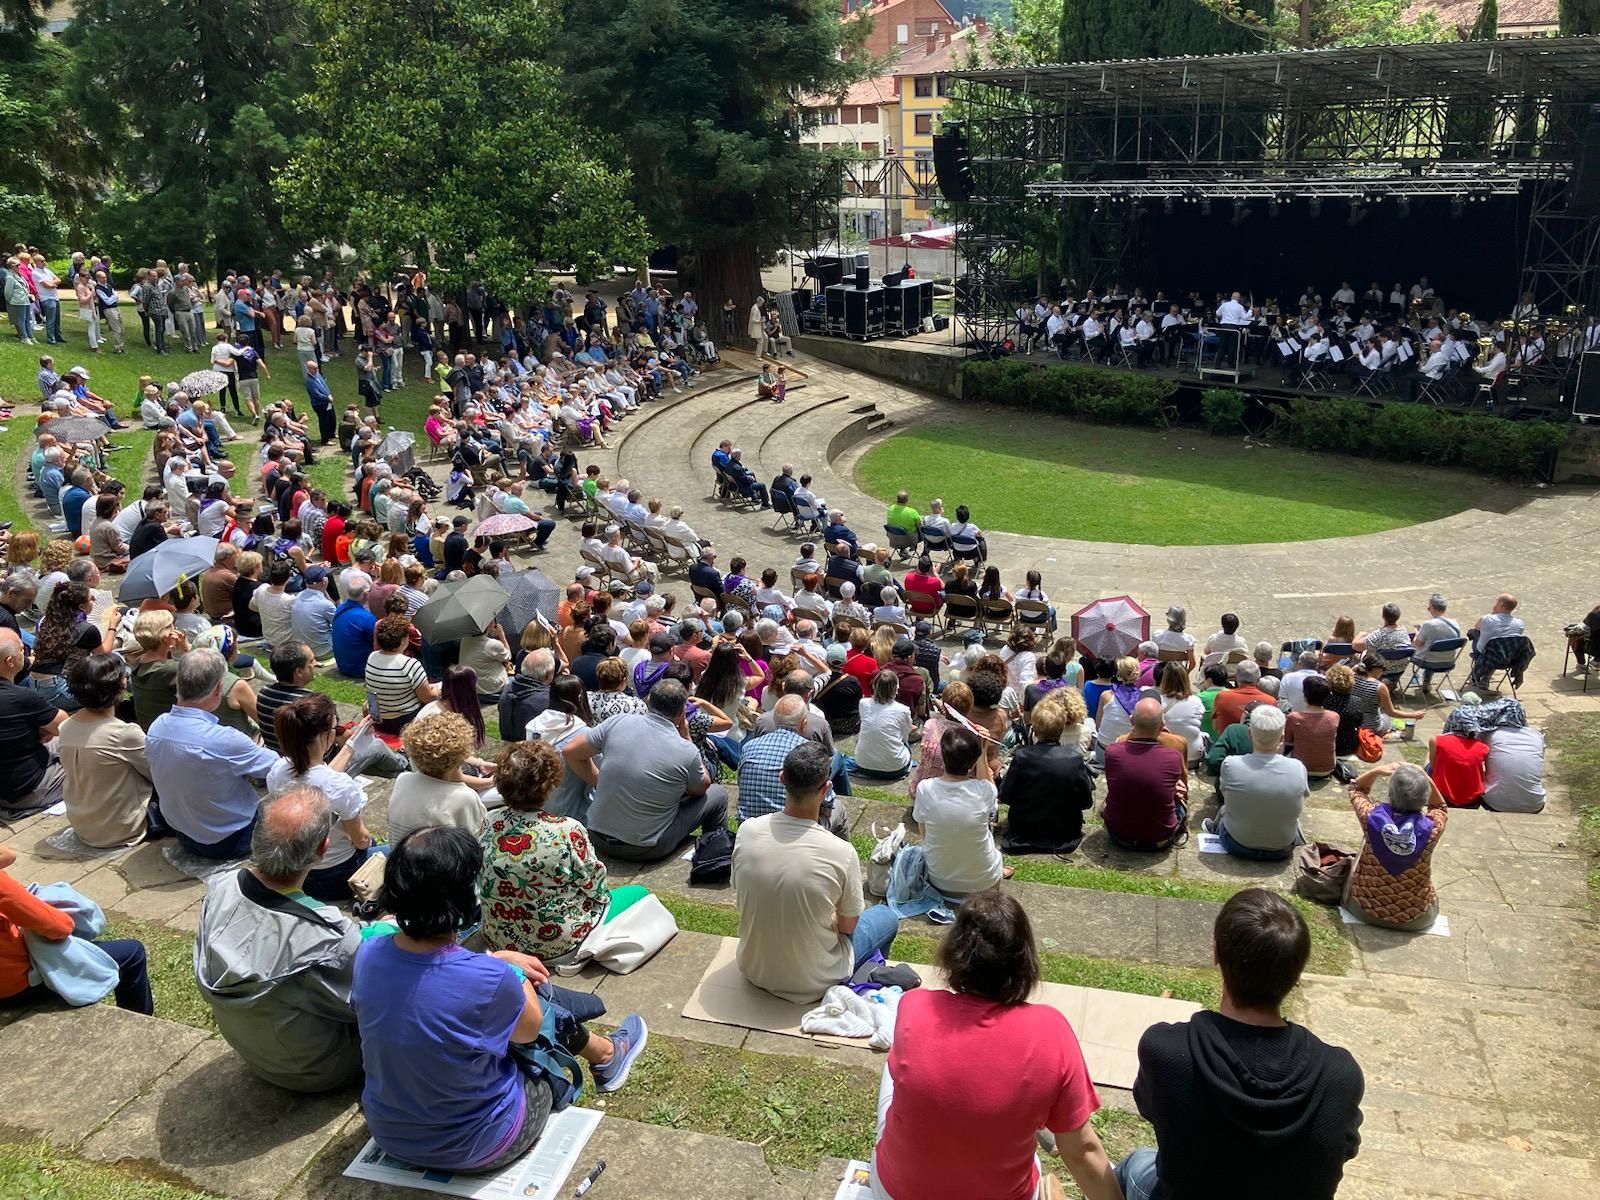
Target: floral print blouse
column 542, row 887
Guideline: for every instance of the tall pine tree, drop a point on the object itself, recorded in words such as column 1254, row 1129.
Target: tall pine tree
column 193, row 101
column 1158, row 28
column 1580, row 16
column 703, row 98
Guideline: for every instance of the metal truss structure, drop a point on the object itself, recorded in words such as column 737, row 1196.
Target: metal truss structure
column 1460, row 120
column 815, row 222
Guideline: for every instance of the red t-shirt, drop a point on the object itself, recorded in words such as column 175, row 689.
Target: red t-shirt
column 927, row 585
column 973, row 1080
column 1458, row 767
column 331, row 529
column 1228, row 708
column 862, row 668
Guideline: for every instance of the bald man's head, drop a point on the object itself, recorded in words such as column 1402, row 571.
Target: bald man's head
column 1146, row 718
column 290, row 834
column 11, row 654
column 790, row 713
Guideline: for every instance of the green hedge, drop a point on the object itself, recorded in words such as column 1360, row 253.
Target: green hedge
column 1400, row 432
column 1096, row 395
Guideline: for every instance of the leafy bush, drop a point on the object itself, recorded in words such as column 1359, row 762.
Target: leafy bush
column 1396, row 432
column 1221, row 409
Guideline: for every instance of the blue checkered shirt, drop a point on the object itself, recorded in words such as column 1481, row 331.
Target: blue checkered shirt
column 760, row 760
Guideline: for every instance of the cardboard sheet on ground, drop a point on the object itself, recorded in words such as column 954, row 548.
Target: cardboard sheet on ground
column 1439, row 928
column 540, row 1173
column 1108, row 1024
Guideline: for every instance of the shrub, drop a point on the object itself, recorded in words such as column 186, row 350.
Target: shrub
column 1409, row 432
column 1331, row 423
column 1222, row 409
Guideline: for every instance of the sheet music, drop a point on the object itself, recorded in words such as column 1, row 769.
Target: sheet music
column 1293, row 344
column 1336, row 354
column 1286, row 349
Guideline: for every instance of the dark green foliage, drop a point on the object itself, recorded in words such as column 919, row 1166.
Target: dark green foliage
column 1580, row 16
column 1221, row 409
column 1158, row 28
column 50, row 168
column 1117, row 398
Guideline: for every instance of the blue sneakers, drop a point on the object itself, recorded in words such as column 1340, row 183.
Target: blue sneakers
column 627, row 1041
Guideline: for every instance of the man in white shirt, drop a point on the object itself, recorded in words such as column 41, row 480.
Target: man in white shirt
column 1421, row 290
column 1055, row 328
column 675, row 527
column 1144, row 340
column 1491, row 371
column 1437, row 628
column 628, row 567
column 1498, row 622
column 1433, row 368
column 1345, row 295
column 803, row 923
column 1233, row 312
column 1093, row 338
column 1292, row 688
column 935, row 518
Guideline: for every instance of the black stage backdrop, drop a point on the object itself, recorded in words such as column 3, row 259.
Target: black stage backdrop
column 1472, row 260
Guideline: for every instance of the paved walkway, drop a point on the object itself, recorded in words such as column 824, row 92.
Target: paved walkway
column 1480, row 1049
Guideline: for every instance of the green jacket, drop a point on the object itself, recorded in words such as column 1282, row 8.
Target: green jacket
column 1235, row 739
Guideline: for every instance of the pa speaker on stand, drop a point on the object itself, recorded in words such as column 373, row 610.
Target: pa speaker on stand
column 952, row 162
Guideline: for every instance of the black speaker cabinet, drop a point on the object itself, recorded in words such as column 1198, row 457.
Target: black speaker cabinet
column 835, row 305
column 864, row 310
column 909, row 302
column 1586, row 396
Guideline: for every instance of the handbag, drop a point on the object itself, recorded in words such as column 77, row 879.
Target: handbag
column 712, row 860
column 624, row 943
column 880, row 862
column 1369, row 746
column 368, row 877
column 1321, row 872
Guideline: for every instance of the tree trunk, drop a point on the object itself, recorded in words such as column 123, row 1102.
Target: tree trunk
column 723, row 270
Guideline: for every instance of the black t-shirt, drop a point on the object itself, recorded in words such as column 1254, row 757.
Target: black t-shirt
column 1248, row 1112
column 246, row 622
column 23, row 713
column 268, row 701
column 455, row 551
column 146, row 536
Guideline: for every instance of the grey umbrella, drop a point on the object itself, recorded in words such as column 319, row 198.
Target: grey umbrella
column 203, row 383
column 460, row 608
column 157, row 571
column 533, row 594
column 76, row 429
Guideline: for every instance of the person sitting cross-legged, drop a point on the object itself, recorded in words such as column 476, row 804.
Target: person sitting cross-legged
column 763, row 755
column 948, row 1130
column 1242, row 1086
column 651, row 789
column 458, row 1077
column 1263, row 793
column 276, row 966
column 954, row 812
column 1147, row 789
column 803, row 925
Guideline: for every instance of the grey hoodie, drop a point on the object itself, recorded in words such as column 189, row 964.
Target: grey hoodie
column 277, row 973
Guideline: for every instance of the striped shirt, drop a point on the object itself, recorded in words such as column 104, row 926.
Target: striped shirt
column 268, row 701
column 392, row 680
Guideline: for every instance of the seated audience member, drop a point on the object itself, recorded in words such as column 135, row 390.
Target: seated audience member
column 1388, row 636
column 1242, row 1085
column 542, row 887
column 1311, row 734
column 22, row 912
column 527, row 693
column 803, row 925
column 435, row 791
column 1392, row 883
column 1047, row 787
column 397, row 684
column 1114, row 716
column 311, row 614
column 1457, row 762
column 954, row 813
column 1182, row 712
column 1175, row 637
column 839, row 694
column 274, row 967
column 152, row 684
column 1500, row 621
column 107, row 777
column 1291, row 688
column 1263, row 793
column 1516, row 770
column 1437, row 628
column 351, row 630
column 1226, row 642
column 1034, row 1076
column 307, row 729
column 883, row 748
column 1147, row 787
column 446, row 1086
column 1215, row 679
column 1228, row 708
column 652, row 788
column 202, row 769
column 762, row 755
column 1370, row 696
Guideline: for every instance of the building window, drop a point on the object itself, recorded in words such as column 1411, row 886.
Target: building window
column 847, row 115
column 870, row 149
column 922, row 85
column 924, row 124
column 830, row 116
column 868, row 114
column 943, row 83
column 902, row 34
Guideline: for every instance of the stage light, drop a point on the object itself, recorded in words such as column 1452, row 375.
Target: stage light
column 1358, row 213
column 1273, row 206
column 1403, row 206
column 1457, row 207
column 1241, row 212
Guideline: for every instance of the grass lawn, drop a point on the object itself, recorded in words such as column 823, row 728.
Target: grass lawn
column 1575, row 738
column 116, row 378
column 1049, row 476
column 38, row 1171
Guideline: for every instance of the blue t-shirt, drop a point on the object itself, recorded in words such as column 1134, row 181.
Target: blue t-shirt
column 72, row 508
column 353, row 626
column 243, row 317
column 442, row 1087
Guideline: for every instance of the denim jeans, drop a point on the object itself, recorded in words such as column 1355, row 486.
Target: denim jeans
column 22, row 319
column 1240, row 850
column 333, row 883
column 235, row 845
column 1136, row 1175
column 51, row 310
column 850, row 765
column 875, row 931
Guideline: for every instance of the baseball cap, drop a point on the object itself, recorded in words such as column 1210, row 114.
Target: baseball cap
column 904, row 646
column 972, row 637
column 461, row 522
column 836, row 655
column 583, row 574
column 316, row 574
column 923, row 629
column 80, row 372
column 616, row 586
column 660, row 643
column 643, row 588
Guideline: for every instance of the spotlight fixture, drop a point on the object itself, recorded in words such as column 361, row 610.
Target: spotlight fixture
column 1358, row 212
column 1241, row 212
column 1458, row 206
column 1403, row 206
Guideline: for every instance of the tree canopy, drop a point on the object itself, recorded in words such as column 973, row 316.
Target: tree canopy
column 459, row 154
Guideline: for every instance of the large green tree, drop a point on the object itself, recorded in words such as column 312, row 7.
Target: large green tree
column 703, row 96
column 461, row 155
column 193, row 102
column 1580, row 16
column 1155, row 28
column 51, row 171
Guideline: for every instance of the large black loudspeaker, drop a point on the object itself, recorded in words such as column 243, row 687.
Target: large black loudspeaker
column 863, row 278
column 908, row 303
column 1583, row 193
column 827, row 270
column 952, row 164
column 1586, row 397
column 864, row 312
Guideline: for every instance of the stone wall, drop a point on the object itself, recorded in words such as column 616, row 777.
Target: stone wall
column 935, row 370
column 1579, row 461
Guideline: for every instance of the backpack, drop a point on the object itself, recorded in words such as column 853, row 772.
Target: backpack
column 1321, row 871
column 713, row 857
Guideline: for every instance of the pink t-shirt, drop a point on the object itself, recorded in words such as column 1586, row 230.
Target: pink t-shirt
column 973, row 1081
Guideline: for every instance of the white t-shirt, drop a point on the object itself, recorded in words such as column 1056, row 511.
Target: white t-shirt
column 487, row 656
column 881, row 745
column 346, row 798
column 277, row 615
column 419, row 800
column 1173, row 639
column 1183, row 717
column 955, row 816
column 790, row 877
